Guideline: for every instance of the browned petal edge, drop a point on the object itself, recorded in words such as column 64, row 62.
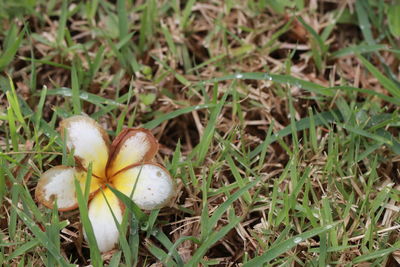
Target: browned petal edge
column 49, row 204
column 123, row 136
column 64, row 124
column 168, row 200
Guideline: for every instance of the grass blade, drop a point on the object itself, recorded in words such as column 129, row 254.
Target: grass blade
column 76, row 104
column 84, row 214
column 9, row 53
column 278, row 249
column 157, row 121
column 386, row 82
column 211, row 240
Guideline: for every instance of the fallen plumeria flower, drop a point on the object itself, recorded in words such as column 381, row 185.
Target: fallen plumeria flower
column 123, row 165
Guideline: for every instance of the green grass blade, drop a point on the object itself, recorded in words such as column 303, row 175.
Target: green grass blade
column 12, row 128
column 386, row 82
column 201, row 149
column 278, row 249
column 41, row 236
column 9, row 53
column 62, row 23
column 281, row 79
column 87, row 226
column 23, row 249
column 76, row 104
column 129, row 204
column 186, row 13
column 377, row 254
column 225, row 206
column 319, row 119
column 359, row 49
column 157, row 121
column 214, row 237
column 364, row 22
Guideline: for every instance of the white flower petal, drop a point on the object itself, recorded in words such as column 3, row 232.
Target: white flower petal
column 58, row 183
column 103, row 223
column 132, row 146
column 88, row 141
column 152, row 184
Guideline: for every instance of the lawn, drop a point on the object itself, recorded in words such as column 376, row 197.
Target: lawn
column 278, row 122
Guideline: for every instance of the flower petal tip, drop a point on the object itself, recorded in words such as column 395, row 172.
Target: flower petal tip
column 88, row 141
column 102, row 219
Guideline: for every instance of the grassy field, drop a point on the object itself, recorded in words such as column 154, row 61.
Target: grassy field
column 278, row 120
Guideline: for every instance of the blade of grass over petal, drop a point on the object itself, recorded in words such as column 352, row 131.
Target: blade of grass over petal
column 129, row 204
column 84, row 215
column 122, row 227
